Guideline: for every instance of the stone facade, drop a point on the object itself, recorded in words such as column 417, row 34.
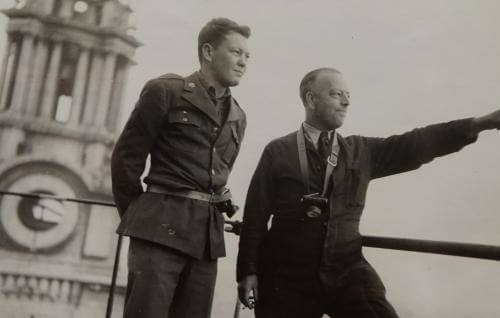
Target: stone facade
column 61, row 85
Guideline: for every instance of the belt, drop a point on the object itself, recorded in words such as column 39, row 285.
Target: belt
column 195, row 195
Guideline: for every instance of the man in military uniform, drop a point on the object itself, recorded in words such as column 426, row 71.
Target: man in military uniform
column 192, row 128
column 309, row 262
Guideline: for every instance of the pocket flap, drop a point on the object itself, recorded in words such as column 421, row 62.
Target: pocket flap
column 183, row 117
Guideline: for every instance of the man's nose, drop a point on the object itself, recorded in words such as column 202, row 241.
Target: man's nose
column 345, row 100
column 242, row 61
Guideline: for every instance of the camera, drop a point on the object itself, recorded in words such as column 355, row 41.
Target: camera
column 227, row 207
column 313, row 203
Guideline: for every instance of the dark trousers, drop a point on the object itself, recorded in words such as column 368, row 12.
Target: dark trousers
column 163, row 282
column 360, row 294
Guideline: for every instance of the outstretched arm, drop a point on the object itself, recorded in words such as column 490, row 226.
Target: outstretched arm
column 408, row 151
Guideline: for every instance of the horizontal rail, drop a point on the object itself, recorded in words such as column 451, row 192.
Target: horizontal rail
column 57, row 198
column 480, row 251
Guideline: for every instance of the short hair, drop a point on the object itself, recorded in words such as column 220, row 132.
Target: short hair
column 310, row 78
column 215, row 31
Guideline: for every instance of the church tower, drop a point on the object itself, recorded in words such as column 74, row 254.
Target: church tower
column 62, row 79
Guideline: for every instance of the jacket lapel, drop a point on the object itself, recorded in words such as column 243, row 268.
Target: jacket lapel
column 198, row 96
column 344, row 163
column 345, row 151
column 234, row 111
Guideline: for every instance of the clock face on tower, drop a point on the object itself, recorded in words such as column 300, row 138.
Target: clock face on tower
column 40, row 215
column 38, row 224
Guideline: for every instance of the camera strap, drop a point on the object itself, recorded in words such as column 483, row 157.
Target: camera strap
column 304, row 166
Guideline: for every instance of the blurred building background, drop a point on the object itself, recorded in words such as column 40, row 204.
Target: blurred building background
column 62, row 80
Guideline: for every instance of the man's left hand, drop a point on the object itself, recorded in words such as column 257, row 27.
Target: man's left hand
column 489, row 121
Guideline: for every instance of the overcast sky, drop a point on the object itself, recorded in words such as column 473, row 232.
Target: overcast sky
column 408, row 64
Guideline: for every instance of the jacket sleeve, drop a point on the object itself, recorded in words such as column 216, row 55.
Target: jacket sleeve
column 135, row 142
column 408, row 151
column 258, row 207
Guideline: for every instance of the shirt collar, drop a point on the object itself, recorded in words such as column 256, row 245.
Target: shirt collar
column 312, row 133
column 210, row 89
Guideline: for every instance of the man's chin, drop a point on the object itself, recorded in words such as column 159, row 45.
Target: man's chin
column 233, row 82
column 335, row 125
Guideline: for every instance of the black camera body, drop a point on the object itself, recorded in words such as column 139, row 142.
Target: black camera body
column 313, row 204
column 227, row 207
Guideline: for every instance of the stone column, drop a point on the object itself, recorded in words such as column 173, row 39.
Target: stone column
column 79, row 86
column 5, row 64
column 8, row 74
column 66, row 9
column 21, row 85
column 103, row 104
column 46, row 7
column 37, row 79
column 91, row 15
column 117, row 97
column 93, row 89
column 51, row 81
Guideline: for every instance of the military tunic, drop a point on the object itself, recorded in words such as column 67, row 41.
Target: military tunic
column 175, row 241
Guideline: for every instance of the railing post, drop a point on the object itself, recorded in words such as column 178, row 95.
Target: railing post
column 111, row 295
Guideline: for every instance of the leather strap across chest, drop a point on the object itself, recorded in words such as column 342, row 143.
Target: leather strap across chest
column 304, row 165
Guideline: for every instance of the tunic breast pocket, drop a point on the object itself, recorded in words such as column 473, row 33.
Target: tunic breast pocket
column 232, row 148
column 184, row 131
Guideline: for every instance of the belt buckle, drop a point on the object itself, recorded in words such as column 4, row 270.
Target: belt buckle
column 332, row 160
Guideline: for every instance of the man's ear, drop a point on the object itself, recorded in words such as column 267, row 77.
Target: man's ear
column 207, row 51
column 310, row 100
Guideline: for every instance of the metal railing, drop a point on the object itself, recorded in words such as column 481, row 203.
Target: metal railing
column 489, row 252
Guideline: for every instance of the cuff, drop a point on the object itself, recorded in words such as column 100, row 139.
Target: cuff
column 245, row 269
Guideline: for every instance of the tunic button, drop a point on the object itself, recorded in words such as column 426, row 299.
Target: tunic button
column 184, row 112
column 184, row 119
column 171, row 232
column 213, row 172
column 215, row 129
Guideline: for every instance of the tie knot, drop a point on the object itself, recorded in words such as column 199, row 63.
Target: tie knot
column 323, row 137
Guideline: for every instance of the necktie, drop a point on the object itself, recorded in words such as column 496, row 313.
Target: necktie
column 219, row 103
column 324, row 147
